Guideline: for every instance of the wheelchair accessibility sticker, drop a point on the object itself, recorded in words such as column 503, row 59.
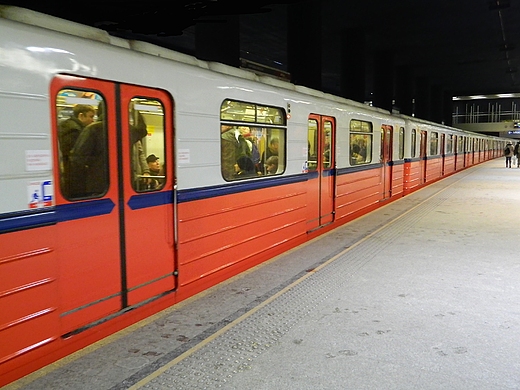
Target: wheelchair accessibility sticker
column 40, row 194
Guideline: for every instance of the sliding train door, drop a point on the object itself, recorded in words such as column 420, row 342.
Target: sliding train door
column 443, row 153
column 423, row 156
column 147, row 196
column 321, row 171
column 115, row 209
column 386, row 159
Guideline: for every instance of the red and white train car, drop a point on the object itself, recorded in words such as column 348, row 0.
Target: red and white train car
column 94, row 238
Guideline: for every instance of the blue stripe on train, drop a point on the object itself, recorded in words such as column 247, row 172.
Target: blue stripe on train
column 27, row 220
column 237, row 187
column 90, row 208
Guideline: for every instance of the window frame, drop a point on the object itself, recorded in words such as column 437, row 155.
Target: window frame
column 260, row 135
column 363, row 131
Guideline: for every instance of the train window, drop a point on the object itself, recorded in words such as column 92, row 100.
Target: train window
column 460, row 144
column 312, row 151
column 381, row 152
column 327, row 133
column 434, row 143
column 449, row 144
column 82, row 144
column 413, row 143
column 455, row 140
column 361, row 136
column 232, row 110
column 401, row 143
column 253, row 140
column 146, row 126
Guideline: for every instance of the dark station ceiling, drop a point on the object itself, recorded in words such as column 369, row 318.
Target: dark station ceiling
column 465, row 47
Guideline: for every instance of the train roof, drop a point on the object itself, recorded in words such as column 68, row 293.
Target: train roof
column 37, row 19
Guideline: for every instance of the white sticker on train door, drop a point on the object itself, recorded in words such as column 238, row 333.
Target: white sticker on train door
column 37, row 160
column 183, row 156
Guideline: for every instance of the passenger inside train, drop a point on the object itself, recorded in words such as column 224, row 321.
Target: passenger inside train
column 140, row 167
column 89, row 162
column 68, row 133
column 256, row 132
column 82, row 127
column 355, row 157
column 156, row 172
column 271, row 165
column 245, row 167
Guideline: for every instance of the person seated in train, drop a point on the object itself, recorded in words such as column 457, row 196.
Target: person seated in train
column 155, row 170
column 89, row 160
column 272, row 149
column 233, row 146
column 244, row 167
column 68, row 133
column 271, row 165
column 355, row 156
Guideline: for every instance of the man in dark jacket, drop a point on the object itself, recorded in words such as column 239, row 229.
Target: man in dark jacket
column 233, row 146
column 89, row 160
column 68, row 133
column 69, row 129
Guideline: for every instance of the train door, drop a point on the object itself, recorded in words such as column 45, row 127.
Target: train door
column 321, row 168
column 148, row 202
column 423, row 155
column 455, row 151
column 386, row 159
column 114, row 198
column 443, row 152
column 466, row 152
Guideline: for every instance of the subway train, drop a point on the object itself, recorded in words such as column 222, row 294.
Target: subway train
column 135, row 177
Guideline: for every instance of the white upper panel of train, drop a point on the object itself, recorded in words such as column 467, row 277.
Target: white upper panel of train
column 32, row 52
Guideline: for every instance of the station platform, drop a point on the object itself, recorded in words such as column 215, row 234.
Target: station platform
column 423, row 293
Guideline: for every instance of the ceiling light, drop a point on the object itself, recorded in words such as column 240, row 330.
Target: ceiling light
column 506, row 47
column 499, row 4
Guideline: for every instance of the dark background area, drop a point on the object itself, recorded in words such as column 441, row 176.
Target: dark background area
column 388, row 52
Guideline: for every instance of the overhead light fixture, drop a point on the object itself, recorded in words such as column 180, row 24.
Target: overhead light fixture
column 499, row 4
column 506, row 46
column 512, row 70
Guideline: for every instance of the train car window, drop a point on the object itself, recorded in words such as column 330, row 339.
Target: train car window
column 381, row 151
column 460, row 144
column 312, row 151
column 146, row 117
column 82, row 144
column 327, row 133
column 361, row 141
column 252, row 139
column 434, row 144
column 401, row 143
column 232, row 110
column 455, row 144
column 449, row 144
column 413, row 143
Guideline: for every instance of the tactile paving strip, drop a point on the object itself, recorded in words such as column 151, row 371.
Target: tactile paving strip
column 234, row 350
